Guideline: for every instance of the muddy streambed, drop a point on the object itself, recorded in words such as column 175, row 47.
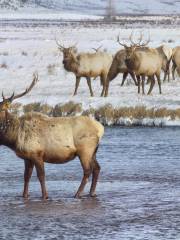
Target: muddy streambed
column 138, row 192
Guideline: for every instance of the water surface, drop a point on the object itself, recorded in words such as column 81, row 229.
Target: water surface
column 138, row 192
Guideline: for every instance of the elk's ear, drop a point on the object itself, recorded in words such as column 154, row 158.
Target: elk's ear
column 60, row 49
column 74, row 49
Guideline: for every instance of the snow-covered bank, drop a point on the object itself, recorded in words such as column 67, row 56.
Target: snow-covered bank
column 26, row 50
column 45, row 15
column 106, row 114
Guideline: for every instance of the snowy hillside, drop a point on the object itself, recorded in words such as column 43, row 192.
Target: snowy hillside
column 97, row 7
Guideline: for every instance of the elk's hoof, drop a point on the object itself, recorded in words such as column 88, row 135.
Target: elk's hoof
column 77, row 196
column 45, row 197
column 25, row 196
column 93, row 195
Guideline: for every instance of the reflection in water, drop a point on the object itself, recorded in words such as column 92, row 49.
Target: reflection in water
column 138, row 192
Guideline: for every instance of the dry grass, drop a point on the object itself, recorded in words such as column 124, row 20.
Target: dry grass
column 67, row 109
column 107, row 115
column 38, row 107
column 16, row 108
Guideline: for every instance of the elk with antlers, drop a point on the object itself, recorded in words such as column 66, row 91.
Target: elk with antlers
column 37, row 139
column 119, row 66
column 143, row 61
column 88, row 65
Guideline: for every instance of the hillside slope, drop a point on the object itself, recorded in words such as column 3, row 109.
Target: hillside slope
column 97, row 7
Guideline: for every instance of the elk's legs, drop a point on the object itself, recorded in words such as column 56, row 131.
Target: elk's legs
column 152, row 84
column 76, row 85
column 143, row 80
column 87, row 173
column 41, row 176
column 103, row 83
column 95, row 175
column 173, row 70
column 27, row 175
column 124, row 78
column 159, row 82
column 139, row 83
column 89, row 85
column 86, row 158
column 106, row 89
column 133, row 77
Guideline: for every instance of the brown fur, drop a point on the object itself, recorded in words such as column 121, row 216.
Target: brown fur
column 119, row 66
column 37, row 139
column 165, row 53
column 176, row 61
column 144, row 62
column 87, row 65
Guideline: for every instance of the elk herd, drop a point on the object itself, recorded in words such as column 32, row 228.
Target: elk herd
column 137, row 60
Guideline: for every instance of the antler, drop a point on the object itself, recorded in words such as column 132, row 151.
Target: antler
column 5, row 104
column 139, row 43
column 96, row 49
column 10, row 99
column 131, row 40
column 118, row 40
column 35, row 80
column 3, row 96
column 61, row 47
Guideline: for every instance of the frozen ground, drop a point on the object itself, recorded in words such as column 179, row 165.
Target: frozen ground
column 26, row 50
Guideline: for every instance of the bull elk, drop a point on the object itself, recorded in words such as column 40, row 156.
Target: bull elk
column 37, row 139
column 119, row 66
column 143, row 61
column 88, row 65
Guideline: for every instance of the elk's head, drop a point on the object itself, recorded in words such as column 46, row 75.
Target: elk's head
column 69, row 53
column 7, row 119
column 133, row 46
column 6, row 102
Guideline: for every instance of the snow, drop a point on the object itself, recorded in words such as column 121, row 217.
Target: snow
column 39, row 14
column 98, row 7
column 27, row 50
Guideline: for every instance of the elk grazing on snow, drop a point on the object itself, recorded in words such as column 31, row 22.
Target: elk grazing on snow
column 143, row 61
column 88, row 65
column 176, row 61
column 119, row 66
column 37, row 139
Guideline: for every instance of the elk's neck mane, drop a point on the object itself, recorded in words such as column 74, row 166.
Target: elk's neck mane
column 72, row 65
column 133, row 63
column 9, row 130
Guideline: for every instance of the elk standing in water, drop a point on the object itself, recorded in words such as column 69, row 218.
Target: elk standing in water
column 88, row 65
column 37, row 139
